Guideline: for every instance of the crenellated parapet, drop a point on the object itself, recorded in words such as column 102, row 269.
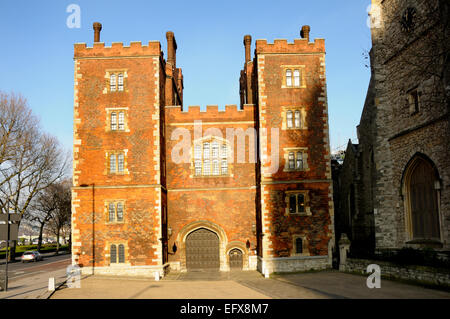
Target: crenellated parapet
column 212, row 113
column 283, row 46
column 117, row 49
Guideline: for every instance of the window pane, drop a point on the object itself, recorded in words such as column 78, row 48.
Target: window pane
column 206, row 168
column 120, row 160
column 297, row 119
column 121, row 253
column 113, row 254
column 121, row 121
column 298, row 246
column 198, row 167
column 291, row 160
column 301, row 203
column 224, row 167
column 296, row 78
column 215, row 149
column 120, row 82
column 112, row 212
column 113, row 121
column 112, row 83
column 289, row 119
column 215, row 167
column 119, row 211
column 224, row 151
column 206, row 150
column 112, row 163
column 299, row 160
column 292, row 203
column 288, row 78
column 197, row 151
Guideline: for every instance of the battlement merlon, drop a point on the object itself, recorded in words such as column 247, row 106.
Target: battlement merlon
column 211, row 114
column 282, row 46
column 117, row 49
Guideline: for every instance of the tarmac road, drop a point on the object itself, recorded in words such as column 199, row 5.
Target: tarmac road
column 17, row 269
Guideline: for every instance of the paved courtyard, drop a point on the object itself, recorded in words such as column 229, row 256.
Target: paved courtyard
column 244, row 285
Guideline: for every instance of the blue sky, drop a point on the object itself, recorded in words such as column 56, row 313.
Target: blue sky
column 36, row 56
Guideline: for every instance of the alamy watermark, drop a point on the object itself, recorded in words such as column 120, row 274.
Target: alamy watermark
column 374, row 280
column 73, row 273
column 74, row 19
column 182, row 151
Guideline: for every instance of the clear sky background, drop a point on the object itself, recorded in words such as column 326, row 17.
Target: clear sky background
column 36, row 51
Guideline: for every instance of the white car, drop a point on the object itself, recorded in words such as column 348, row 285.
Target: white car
column 31, row 256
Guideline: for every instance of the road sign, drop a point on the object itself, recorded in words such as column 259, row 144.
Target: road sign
column 14, row 220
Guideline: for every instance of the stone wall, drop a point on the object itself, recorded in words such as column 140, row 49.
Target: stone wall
column 420, row 274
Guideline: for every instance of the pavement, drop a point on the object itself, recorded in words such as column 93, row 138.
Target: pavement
column 243, row 285
column 30, row 280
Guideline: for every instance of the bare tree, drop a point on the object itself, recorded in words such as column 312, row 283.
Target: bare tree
column 30, row 161
column 61, row 216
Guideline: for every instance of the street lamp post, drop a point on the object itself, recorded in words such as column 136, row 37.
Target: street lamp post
column 93, row 223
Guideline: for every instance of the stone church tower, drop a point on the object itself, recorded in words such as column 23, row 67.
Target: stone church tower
column 159, row 188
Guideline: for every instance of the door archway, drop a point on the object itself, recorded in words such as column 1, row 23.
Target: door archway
column 423, row 222
column 236, row 259
column 202, row 250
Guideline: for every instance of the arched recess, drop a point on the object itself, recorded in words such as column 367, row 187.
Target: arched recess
column 242, row 247
column 421, row 195
column 191, row 227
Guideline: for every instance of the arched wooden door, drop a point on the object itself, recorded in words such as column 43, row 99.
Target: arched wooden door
column 236, row 259
column 423, row 201
column 202, row 250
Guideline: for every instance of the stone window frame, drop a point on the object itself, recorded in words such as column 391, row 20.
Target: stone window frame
column 293, row 109
column 116, row 72
column 210, row 139
column 117, row 110
column 106, row 211
column 413, row 100
column 125, row 162
column 295, row 150
column 305, row 193
column 301, row 69
column 305, row 245
column 108, row 253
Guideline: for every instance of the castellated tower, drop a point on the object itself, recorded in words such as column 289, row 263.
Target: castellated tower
column 157, row 188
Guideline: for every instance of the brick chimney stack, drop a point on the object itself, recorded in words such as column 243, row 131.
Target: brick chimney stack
column 305, row 32
column 97, row 28
column 171, row 48
column 247, row 45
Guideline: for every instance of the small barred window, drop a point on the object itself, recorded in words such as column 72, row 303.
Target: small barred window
column 296, row 78
column 112, row 83
column 120, row 158
column 113, row 121
column 291, row 160
column 119, row 211
column 120, row 82
column 289, row 119
column 299, row 160
column 297, row 119
column 113, row 254
column 112, row 212
column 112, row 163
column 121, row 121
column 288, row 77
column 121, row 253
